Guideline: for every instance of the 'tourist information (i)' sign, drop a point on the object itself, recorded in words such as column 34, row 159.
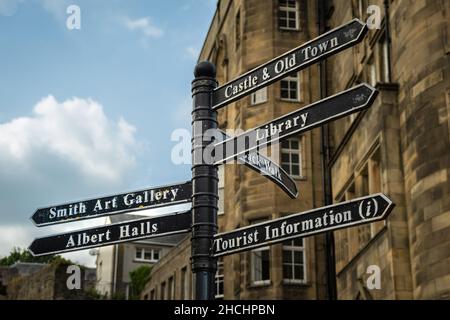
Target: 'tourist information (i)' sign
column 299, row 58
column 346, row 214
column 120, row 203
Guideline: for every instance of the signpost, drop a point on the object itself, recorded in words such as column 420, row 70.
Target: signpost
column 113, row 233
column 202, row 190
column 115, row 204
column 269, row 169
column 337, row 216
column 301, row 120
column 297, row 59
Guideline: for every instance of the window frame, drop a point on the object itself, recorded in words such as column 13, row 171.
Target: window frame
column 292, row 248
column 218, row 279
column 221, row 190
column 253, row 270
column 290, row 151
column 288, row 9
column 291, row 78
column 143, row 250
column 253, row 100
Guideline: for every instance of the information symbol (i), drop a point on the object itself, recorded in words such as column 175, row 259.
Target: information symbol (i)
column 368, row 209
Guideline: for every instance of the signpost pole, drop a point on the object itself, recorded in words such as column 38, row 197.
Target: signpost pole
column 204, row 183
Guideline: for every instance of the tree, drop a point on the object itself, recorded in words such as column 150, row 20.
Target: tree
column 23, row 255
column 139, row 279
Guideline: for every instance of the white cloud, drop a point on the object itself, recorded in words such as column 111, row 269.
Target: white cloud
column 192, row 52
column 14, row 235
column 143, row 25
column 9, row 7
column 76, row 132
column 57, row 8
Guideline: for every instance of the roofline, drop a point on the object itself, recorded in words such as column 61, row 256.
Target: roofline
column 210, row 27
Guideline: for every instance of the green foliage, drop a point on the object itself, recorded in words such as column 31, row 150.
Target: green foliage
column 93, row 294
column 23, row 255
column 139, row 278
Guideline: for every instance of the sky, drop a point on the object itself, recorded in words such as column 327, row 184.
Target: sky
column 91, row 111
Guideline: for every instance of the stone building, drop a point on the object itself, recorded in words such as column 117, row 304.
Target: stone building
column 114, row 263
column 36, row 281
column 400, row 146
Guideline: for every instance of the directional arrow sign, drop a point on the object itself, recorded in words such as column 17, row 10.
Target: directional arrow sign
column 337, row 216
column 111, row 234
column 304, row 119
column 120, row 203
column 268, row 169
column 299, row 58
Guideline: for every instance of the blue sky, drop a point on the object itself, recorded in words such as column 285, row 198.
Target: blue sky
column 90, row 112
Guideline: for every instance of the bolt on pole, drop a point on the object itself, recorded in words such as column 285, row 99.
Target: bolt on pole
column 204, row 183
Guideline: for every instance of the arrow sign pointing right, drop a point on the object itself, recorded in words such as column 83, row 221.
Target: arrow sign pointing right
column 301, row 120
column 297, row 59
column 337, row 216
column 113, row 233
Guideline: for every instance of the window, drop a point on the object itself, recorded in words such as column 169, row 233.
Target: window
column 221, row 186
column 372, row 72
column 219, row 279
column 152, row 294
column 184, row 284
column 171, row 289
column 260, row 263
column 147, row 255
column 288, row 14
column 383, row 52
column 238, row 29
column 290, row 88
column 294, row 270
column 163, row 291
column 364, row 231
column 261, row 266
column 259, row 96
column 291, row 157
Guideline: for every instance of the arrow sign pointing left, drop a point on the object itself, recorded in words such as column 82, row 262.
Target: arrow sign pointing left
column 120, row 203
column 337, row 216
column 111, row 234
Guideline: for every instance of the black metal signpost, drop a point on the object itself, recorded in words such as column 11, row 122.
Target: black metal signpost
column 113, row 233
column 337, row 216
column 204, row 183
column 208, row 152
column 120, row 203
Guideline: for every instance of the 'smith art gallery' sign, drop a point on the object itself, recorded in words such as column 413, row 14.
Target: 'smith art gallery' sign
column 115, row 204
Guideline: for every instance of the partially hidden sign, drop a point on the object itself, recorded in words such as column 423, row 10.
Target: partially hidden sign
column 269, row 169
